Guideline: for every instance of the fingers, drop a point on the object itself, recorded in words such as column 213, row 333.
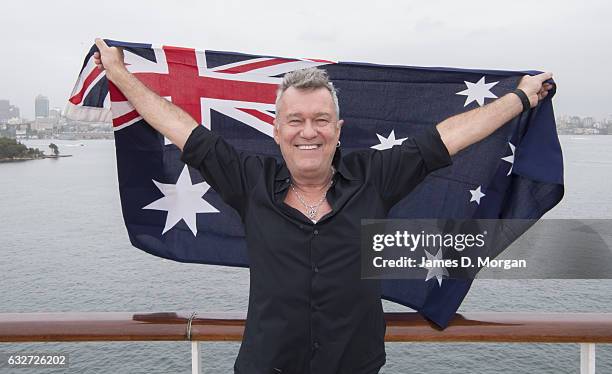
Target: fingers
column 542, row 95
column 545, row 87
column 109, row 59
column 536, row 87
column 97, row 58
column 101, row 44
column 544, row 76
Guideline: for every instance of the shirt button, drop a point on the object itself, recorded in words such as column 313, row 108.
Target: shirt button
column 316, row 232
column 315, row 269
column 316, row 345
column 287, row 180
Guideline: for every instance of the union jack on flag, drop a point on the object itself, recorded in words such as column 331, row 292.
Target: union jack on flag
column 169, row 211
column 243, row 89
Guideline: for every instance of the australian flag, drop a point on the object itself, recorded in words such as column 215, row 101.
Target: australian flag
column 169, row 211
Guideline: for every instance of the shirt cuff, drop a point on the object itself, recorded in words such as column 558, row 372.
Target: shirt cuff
column 432, row 148
column 199, row 142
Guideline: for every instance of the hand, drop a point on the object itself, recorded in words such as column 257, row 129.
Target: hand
column 535, row 88
column 108, row 58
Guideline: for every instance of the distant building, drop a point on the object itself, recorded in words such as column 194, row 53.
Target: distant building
column 43, row 123
column 8, row 131
column 562, row 122
column 602, row 127
column 16, row 121
column 14, row 112
column 588, row 122
column 55, row 113
column 15, row 130
column 575, row 121
column 21, row 132
column 41, row 106
column 5, row 114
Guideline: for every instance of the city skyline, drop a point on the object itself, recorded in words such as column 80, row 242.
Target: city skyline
column 60, row 109
column 570, row 39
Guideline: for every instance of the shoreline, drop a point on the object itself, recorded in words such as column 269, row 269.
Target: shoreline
column 19, row 159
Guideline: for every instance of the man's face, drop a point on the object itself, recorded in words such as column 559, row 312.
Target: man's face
column 307, row 131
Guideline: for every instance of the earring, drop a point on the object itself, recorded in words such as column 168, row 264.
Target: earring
column 338, row 145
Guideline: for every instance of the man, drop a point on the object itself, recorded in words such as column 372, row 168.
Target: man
column 309, row 311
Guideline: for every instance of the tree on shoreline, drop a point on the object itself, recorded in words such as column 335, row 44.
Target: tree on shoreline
column 11, row 149
column 54, row 149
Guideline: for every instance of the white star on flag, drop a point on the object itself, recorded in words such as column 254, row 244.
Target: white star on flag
column 182, row 200
column 437, row 272
column 389, row 142
column 510, row 158
column 476, row 195
column 478, row 91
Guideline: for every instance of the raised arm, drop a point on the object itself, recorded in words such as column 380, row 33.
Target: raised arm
column 465, row 129
column 165, row 117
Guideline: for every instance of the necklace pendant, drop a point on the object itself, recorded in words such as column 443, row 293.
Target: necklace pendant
column 311, row 212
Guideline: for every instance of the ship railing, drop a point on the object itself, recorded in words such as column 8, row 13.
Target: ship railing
column 586, row 329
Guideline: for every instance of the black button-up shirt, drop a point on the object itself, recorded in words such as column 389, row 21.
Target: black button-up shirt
column 309, row 310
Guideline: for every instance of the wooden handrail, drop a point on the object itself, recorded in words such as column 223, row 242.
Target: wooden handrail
column 401, row 327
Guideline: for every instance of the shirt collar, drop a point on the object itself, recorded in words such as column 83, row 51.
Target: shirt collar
column 283, row 172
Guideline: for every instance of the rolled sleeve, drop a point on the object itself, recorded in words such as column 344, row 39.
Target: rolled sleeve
column 433, row 150
column 230, row 173
column 400, row 169
column 197, row 146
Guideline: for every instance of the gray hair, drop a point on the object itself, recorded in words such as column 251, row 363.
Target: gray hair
column 308, row 79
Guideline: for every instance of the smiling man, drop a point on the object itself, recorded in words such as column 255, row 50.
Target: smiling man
column 307, row 129
column 309, row 311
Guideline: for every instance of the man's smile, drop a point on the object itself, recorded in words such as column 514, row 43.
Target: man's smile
column 308, row 147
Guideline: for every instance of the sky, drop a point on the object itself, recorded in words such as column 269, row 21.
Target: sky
column 44, row 42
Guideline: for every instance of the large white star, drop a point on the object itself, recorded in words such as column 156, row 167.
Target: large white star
column 510, row 158
column 476, row 195
column 182, row 200
column 437, row 272
column 478, row 91
column 386, row 143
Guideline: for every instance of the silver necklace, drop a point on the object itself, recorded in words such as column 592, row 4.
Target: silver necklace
column 313, row 210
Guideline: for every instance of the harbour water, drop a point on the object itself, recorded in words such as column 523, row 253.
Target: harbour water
column 63, row 247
